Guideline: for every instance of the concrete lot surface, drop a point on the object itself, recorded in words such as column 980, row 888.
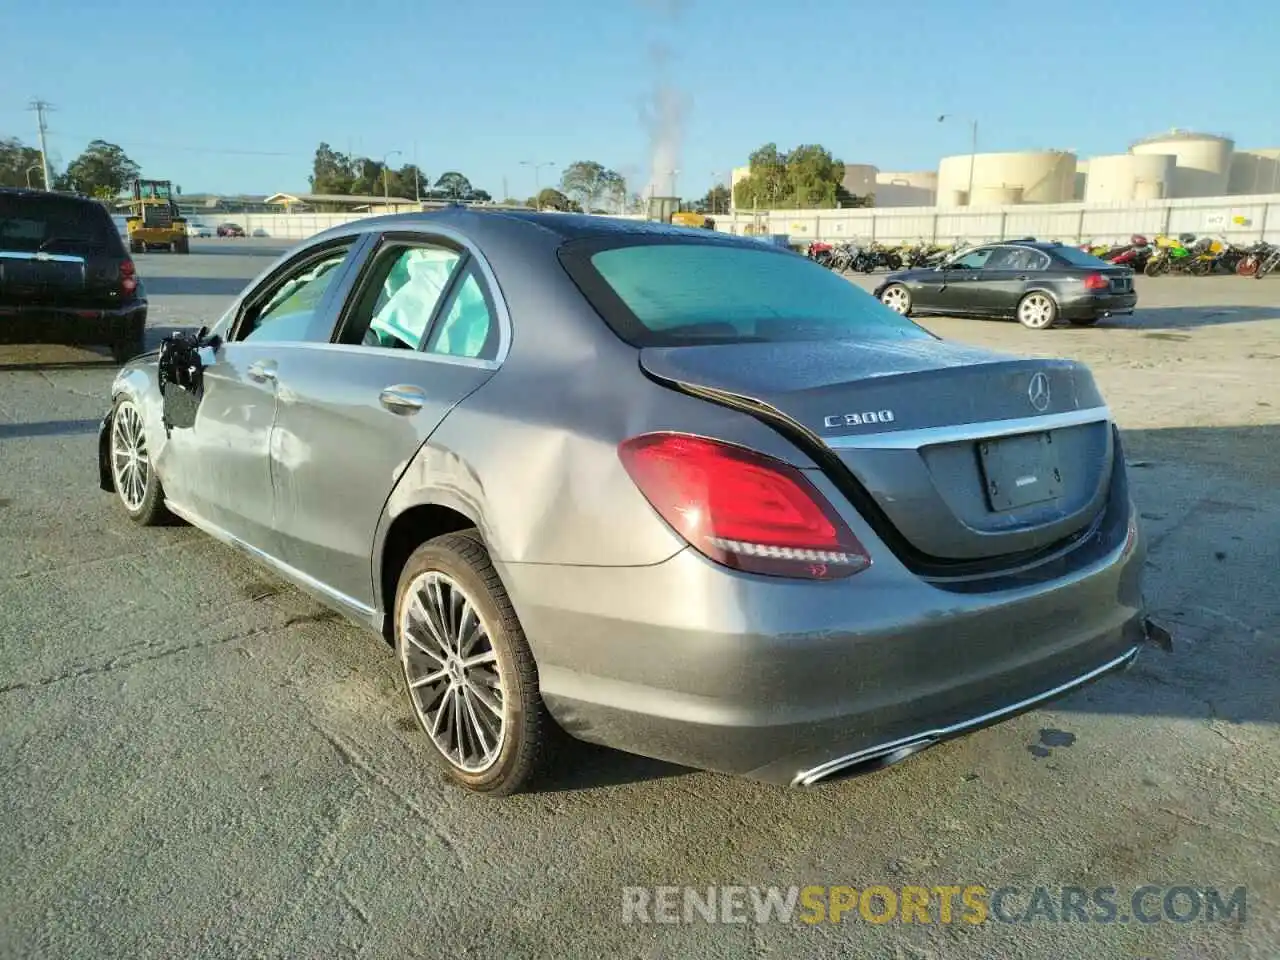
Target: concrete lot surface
column 198, row 761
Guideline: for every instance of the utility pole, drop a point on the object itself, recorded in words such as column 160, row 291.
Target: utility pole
column 41, row 107
column 417, row 178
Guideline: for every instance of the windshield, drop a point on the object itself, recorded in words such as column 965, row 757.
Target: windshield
column 675, row 293
column 1078, row 258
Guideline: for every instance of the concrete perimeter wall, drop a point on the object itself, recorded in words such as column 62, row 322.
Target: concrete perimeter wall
column 1241, row 220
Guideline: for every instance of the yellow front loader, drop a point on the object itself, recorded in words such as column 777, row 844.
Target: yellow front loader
column 154, row 220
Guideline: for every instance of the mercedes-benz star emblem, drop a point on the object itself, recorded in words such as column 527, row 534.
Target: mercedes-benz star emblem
column 1038, row 392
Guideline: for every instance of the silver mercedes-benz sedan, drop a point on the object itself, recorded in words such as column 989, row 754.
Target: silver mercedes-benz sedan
column 676, row 492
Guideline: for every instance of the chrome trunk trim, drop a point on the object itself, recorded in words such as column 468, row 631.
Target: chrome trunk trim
column 956, row 433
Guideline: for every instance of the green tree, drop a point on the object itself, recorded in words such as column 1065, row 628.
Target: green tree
column 331, row 172
column 552, row 199
column 588, row 183
column 453, row 186
column 807, row 177
column 16, row 163
column 716, row 200
column 103, row 170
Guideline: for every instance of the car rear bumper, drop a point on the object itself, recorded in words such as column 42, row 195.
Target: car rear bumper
column 74, row 325
column 1088, row 306
column 775, row 679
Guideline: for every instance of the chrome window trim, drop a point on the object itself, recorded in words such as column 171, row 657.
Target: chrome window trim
column 956, row 433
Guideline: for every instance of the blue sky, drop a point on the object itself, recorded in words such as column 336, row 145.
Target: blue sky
column 479, row 87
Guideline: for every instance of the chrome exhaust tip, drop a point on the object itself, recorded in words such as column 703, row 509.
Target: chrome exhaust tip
column 857, row 765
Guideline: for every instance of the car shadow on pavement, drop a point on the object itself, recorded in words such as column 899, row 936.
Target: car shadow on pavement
column 1182, row 318
column 587, row 766
column 1212, row 527
column 47, row 428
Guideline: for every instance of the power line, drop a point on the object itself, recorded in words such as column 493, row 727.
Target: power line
column 41, row 107
column 153, row 145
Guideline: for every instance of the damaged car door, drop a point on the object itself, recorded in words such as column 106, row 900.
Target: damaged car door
column 216, row 464
column 418, row 334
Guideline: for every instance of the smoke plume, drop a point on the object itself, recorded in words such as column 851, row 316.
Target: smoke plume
column 664, row 109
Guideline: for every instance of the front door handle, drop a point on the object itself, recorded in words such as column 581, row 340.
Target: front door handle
column 262, row 370
column 402, row 398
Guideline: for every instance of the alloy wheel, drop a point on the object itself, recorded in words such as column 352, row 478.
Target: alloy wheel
column 1036, row 311
column 130, row 462
column 896, row 299
column 453, row 674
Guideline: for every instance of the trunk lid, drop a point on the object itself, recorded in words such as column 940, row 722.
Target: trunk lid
column 969, row 454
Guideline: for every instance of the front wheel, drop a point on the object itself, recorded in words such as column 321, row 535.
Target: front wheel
column 135, row 481
column 1156, row 267
column 468, row 669
column 1248, row 266
column 897, row 298
column 1037, row 311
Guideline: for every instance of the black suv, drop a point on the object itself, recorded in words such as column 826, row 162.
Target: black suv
column 65, row 276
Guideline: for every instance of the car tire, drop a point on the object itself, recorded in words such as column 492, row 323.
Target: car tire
column 184, row 245
column 897, row 298
column 140, row 494
column 458, row 709
column 1037, row 311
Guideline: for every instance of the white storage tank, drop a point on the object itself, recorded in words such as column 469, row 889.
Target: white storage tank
column 859, row 179
column 1203, row 161
column 952, row 198
column 1080, row 180
column 996, row 196
column 1122, row 177
column 917, row 188
column 1043, row 176
column 1255, row 171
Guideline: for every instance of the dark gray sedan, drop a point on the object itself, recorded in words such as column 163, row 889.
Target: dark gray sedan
column 671, row 491
column 1036, row 283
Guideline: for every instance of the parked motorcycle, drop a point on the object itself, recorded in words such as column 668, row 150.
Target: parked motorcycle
column 820, row 253
column 1268, row 263
column 1252, row 259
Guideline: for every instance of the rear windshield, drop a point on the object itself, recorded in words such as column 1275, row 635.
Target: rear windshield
column 33, row 224
column 1078, row 258
column 655, row 293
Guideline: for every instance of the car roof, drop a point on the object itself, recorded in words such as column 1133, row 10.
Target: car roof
column 57, row 196
column 482, row 224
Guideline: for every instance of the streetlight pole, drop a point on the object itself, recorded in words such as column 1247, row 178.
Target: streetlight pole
column 973, row 152
column 386, row 195
column 537, row 166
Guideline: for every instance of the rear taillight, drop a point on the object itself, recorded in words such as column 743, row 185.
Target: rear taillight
column 743, row 509
column 1096, row 281
column 128, row 278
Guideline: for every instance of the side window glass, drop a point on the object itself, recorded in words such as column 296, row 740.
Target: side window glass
column 287, row 313
column 468, row 327
column 1039, row 261
column 396, row 308
column 974, row 260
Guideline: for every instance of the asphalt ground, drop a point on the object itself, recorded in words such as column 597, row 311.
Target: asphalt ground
column 199, row 761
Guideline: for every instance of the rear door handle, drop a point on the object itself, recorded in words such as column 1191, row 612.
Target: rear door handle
column 402, row 398
column 262, row 370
